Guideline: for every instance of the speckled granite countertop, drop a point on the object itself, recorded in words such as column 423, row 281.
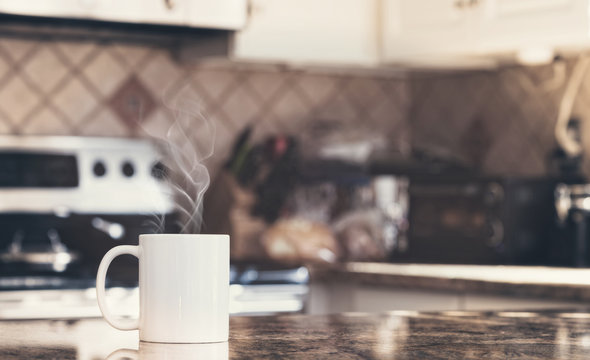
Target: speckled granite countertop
column 525, row 281
column 394, row 335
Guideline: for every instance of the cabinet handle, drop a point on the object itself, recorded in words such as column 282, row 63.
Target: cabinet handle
column 169, row 4
column 460, row 4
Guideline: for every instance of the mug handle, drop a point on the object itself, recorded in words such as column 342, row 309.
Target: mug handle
column 122, row 354
column 121, row 324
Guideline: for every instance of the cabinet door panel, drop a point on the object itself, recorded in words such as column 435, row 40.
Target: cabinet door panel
column 509, row 25
column 223, row 14
column 310, row 31
column 140, row 11
column 419, row 27
column 72, row 8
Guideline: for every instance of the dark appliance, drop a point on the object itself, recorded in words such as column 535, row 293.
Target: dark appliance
column 479, row 220
column 572, row 243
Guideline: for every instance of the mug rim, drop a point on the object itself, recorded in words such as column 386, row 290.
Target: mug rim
column 181, row 236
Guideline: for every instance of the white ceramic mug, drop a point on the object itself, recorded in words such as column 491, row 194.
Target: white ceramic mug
column 183, row 288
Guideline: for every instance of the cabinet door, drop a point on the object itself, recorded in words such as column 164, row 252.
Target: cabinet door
column 511, row 25
column 222, row 14
column 69, row 8
column 141, row 11
column 423, row 27
column 310, row 31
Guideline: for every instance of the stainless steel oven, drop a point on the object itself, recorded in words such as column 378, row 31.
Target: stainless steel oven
column 64, row 201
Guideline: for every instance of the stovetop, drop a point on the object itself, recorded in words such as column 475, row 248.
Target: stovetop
column 253, row 291
column 249, row 275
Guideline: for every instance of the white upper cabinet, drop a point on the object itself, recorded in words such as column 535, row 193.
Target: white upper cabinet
column 311, row 32
column 522, row 24
column 223, row 14
column 65, row 8
column 422, row 27
column 220, row 14
column 140, row 11
column 460, row 32
column 439, row 33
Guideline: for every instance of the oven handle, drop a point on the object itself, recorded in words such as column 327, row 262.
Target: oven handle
column 115, row 230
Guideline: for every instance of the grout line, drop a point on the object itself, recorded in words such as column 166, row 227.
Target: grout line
column 216, row 108
column 264, row 108
column 268, row 106
column 18, row 70
column 299, row 93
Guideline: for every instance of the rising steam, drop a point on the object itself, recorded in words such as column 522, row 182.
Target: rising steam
column 187, row 144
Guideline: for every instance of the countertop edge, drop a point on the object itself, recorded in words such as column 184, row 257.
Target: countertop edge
column 343, row 272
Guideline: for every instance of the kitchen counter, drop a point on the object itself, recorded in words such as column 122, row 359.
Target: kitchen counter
column 393, row 335
column 523, row 281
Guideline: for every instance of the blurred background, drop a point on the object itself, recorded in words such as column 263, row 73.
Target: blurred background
column 350, row 145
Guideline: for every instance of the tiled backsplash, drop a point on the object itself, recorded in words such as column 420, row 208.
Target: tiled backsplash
column 501, row 121
column 51, row 86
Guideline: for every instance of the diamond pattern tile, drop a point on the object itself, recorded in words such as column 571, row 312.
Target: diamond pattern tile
column 496, row 126
column 17, row 99
column 215, row 82
column 317, row 87
column 224, row 137
column 292, row 112
column 18, row 48
column 132, row 103
column 75, row 100
column 388, row 114
column 398, row 89
column 502, row 119
column 132, row 55
column 184, row 95
column 45, row 69
column 46, row 122
column 265, row 84
column 105, row 123
column 475, row 142
column 76, row 51
column 364, row 92
column 505, row 155
column 157, row 123
column 4, row 68
column 266, row 126
column 337, row 108
column 241, row 107
column 105, row 73
column 160, row 74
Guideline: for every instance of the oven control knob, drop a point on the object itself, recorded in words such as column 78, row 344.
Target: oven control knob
column 159, row 171
column 128, row 169
column 99, row 169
